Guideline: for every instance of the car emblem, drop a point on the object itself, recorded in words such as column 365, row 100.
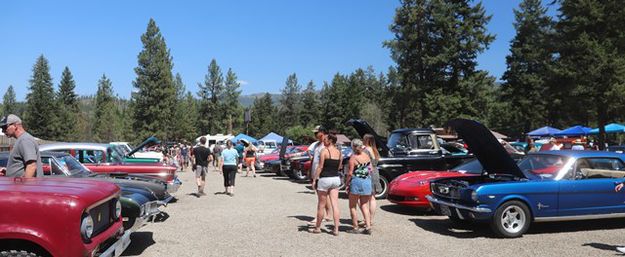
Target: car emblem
column 99, row 217
column 443, row 190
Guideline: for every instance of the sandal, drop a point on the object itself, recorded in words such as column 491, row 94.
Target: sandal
column 367, row 231
column 352, row 231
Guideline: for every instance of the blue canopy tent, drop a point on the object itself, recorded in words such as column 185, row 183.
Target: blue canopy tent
column 610, row 128
column 574, row 131
column 544, row 131
column 243, row 136
column 273, row 136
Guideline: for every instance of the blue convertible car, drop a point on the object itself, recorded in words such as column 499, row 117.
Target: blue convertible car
column 545, row 186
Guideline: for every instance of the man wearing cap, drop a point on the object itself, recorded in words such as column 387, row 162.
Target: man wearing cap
column 24, row 159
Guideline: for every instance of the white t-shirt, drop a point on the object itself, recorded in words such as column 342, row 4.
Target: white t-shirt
column 316, row 153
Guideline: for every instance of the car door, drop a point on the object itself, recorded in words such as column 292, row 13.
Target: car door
column 590, row 188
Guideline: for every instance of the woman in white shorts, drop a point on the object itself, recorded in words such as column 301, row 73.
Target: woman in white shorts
column 326, row 181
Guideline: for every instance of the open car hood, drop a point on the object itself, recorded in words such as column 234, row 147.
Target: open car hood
column 148, row 142
column 362, row 128
column 481, row 142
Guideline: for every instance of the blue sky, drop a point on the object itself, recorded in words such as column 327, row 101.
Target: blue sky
column 262, row 41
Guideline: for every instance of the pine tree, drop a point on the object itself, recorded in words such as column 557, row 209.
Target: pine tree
column 154, row 99
column 40, row 117
column 105, row 127
column 187, row 126
column 335, row 103
column 264, row 119
column 209, row 110
column 9, row 104
column 525, row 87
column 591, row 59
column 435, row 47
column 68, row 106
column 311, row 111
column 231, row 108
column 289, row 103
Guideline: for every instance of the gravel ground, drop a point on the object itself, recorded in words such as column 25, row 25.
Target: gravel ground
column 268, row 216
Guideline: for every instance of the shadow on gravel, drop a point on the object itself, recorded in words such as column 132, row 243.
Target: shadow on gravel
column 173, row 200
column 405, row 210
column 575, row 226
column 163, row 216
column 269, row 175
column 601, row 246
column 139, row 242
column 306, row 192
column 280, row 178
column 457, row 230
column 194, row 194
column 302, row 217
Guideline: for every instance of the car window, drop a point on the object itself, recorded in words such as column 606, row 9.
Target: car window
column 50, row 167
column 542, row 166
column 115, row 154
column 90, row 156
column 471, row 167
column 397, row 140
column 421, row 142
column 593, row 168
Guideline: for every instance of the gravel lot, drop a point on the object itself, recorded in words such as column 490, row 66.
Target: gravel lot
column 268, row 216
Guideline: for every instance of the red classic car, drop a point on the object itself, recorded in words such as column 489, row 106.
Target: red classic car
column 107, row 158
column 410, row 188
column 60, row 217
column 275, row 155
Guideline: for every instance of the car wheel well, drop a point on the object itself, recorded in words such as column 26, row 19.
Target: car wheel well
column 23, row 245
column 522, row 201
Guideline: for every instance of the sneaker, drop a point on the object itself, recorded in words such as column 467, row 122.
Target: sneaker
column 621, row 249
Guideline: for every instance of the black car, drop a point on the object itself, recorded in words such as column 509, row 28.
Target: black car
column 408, row 149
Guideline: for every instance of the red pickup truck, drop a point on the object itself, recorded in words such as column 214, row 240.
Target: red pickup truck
column 60, row 217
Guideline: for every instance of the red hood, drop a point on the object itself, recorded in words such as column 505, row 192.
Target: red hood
column 269, row 157
column 89, row 191
column 428, row 175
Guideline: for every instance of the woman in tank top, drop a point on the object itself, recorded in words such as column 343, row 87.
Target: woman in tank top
column 326, row 181
column 359, row 186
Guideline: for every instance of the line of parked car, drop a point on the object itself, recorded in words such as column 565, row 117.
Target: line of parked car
column 92, row 197
column 488, row 184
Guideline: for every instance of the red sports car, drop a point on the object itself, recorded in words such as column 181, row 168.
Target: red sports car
column 410, row 188
column 275, row 155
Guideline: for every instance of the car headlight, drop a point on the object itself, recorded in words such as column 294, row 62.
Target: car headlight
column 474, row 196
column 118, row 209
column 86, row 227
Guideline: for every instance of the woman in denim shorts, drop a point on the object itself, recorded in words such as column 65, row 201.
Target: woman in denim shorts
column 359, row 186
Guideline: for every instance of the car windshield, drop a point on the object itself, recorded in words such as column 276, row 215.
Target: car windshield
column 116, row 155
column 542, row 166
column 470, row 167
column 73, row 165
column 410, row 141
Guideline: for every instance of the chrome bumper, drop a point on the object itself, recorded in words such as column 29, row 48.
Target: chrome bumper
column 118, row 247
column 148, row 210
column 458, row 206
column 165, row 201
column 174, row 185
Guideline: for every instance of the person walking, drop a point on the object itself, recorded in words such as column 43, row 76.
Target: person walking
column 372, row 151
column 229, row 157
column 240, row 148
column 359, row 186
column 250, row 158
column 202, row 158
column 24, row 159
column 326, row 182
column 217, row 157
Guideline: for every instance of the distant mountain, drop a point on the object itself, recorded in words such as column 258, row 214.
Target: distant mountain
column 248, row 100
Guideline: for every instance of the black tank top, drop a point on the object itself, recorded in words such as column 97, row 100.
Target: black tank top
column 330, row 167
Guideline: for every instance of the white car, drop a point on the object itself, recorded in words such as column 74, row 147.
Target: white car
column 151, row 154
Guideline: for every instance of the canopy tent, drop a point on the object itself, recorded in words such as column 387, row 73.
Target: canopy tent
column 574, row 131
column 544, row 131
column 273, row 137
column 610, row 128
column 243, row 136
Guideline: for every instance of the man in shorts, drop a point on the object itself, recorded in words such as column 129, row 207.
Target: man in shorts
column 217, row 157
column 24, row 158
column 202, row 158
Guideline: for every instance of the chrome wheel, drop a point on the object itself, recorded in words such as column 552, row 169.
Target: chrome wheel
column 513, row 219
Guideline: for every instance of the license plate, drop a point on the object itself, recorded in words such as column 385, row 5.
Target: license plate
column 445, row 210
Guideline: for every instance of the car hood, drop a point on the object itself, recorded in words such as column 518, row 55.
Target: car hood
column 148, row 142
column 362, row 128
column 426, row 175
column 89, row 190
column 486, row 148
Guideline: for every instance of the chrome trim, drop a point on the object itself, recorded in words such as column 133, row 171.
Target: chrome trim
column 390, row 165
column 118, row 247
column 166, row 201
column 580, row 217
column 174, row 185
column 458, row 206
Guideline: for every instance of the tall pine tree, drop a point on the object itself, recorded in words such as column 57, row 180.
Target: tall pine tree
column 40, row 117
column 154, row 99
column 525, row 86
column 105, row 123
column 290, row 103
column 231, row 108
column 68, row 107
column 9, row 104
column 264, row 118
column 209, row 109
column 310, row 106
